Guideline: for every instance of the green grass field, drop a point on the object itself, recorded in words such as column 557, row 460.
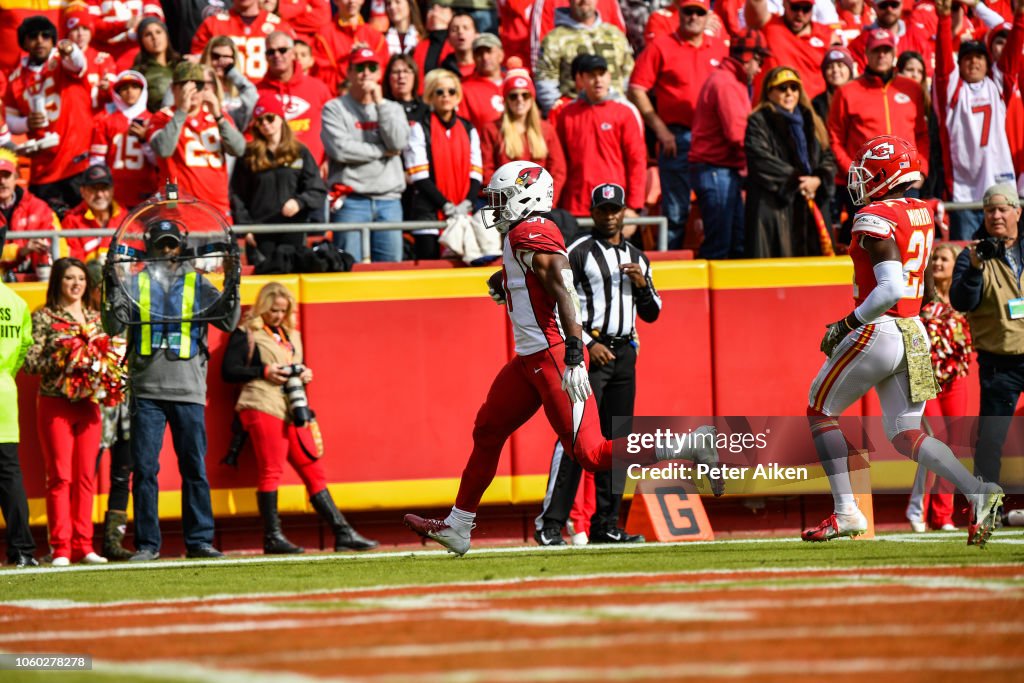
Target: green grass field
column 181, row 579
column 789, row 579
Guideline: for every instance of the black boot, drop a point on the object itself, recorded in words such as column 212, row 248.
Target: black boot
column 114, row 523
column 274, row 542
column 345, row 537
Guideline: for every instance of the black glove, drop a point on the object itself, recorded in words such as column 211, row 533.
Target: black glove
column 836, row 333
column 573, row 351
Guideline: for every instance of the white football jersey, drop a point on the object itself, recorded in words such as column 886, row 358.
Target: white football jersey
column 976, row 123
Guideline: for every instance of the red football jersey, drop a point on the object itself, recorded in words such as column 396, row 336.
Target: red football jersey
column 66, row 100
column 82, row 218
column 910, row 223
column 135, row 178
column 249, row 38
column 198, row 160
column 98, row 66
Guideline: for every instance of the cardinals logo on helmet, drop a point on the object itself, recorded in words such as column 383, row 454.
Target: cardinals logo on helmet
column 529, row 176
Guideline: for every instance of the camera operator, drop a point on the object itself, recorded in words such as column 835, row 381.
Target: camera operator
column 167, row 363
column 986, row 286
column 265, row 352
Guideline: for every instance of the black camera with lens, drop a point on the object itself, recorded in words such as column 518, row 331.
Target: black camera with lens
column 990, row 248
column 295, row 391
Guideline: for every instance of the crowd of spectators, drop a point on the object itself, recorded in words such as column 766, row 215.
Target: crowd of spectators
column 748, row 110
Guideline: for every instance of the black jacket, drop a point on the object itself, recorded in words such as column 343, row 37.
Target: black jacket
column 778, row 219
column 258, row 197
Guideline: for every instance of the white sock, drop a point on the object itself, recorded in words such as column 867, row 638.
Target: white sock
column 846, row 504
column 937, row 457
column 460, row 520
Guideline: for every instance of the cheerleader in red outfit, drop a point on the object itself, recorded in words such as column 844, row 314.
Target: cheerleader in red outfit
column 69, row 335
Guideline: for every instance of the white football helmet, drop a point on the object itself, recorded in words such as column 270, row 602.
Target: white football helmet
column 517, row 190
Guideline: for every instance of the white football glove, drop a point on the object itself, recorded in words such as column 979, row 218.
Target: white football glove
column 464, row 208
column 576, row 383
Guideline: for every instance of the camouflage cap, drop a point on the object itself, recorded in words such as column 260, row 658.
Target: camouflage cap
column 188, row 71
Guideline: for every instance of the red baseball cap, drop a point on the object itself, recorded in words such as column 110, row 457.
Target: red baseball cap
column 880, row 37
column 268, row 103
column 363, row 55
column 78, row 17
column 703, row 4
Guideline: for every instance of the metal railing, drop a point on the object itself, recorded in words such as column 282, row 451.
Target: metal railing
column 364, row 228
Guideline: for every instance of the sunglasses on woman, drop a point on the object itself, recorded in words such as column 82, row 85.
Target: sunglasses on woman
column 515, row 96
column 788, row 87
column 266, row 119
column 366, row 66
column 441, row 92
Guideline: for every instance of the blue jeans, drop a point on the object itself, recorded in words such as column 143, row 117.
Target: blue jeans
column 721, row 207
column 963, row 224
column 674, row 173
column 188, row 433
column 385, row 245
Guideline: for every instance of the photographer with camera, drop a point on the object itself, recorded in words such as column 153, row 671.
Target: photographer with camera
column 986, row 286
column 265, row 352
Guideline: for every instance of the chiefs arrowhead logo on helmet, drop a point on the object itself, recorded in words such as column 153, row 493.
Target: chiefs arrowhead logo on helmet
column 529, row 176
column 881, row 152
column 885, row 163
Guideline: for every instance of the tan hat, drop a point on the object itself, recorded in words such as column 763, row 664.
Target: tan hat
column 1006, row 190
column 188, row 71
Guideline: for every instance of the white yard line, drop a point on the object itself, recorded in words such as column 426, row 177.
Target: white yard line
column 975, row 666
column 617, row 610
column 600, row 642
column 495, row 584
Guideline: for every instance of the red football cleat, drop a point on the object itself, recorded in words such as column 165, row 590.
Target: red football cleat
column 837, row 526
column 438, row 530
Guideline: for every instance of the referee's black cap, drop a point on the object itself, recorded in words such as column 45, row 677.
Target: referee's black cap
column 608, row 193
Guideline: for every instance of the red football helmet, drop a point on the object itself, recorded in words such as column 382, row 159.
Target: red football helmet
column 880, row 165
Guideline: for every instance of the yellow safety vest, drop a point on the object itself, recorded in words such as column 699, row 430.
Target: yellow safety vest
column 174, row 339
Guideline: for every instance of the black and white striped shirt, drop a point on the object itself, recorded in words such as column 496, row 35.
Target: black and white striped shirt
column 608, row 302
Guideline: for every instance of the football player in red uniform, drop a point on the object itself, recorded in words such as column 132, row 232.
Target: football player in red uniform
column 536, row 284
column 883, row 344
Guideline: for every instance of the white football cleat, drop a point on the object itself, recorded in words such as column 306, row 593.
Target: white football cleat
column 918, row 526
column 93, row 558
column 438, row 530
column 984, row 508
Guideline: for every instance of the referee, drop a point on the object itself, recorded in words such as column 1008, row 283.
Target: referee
column 613, row 281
